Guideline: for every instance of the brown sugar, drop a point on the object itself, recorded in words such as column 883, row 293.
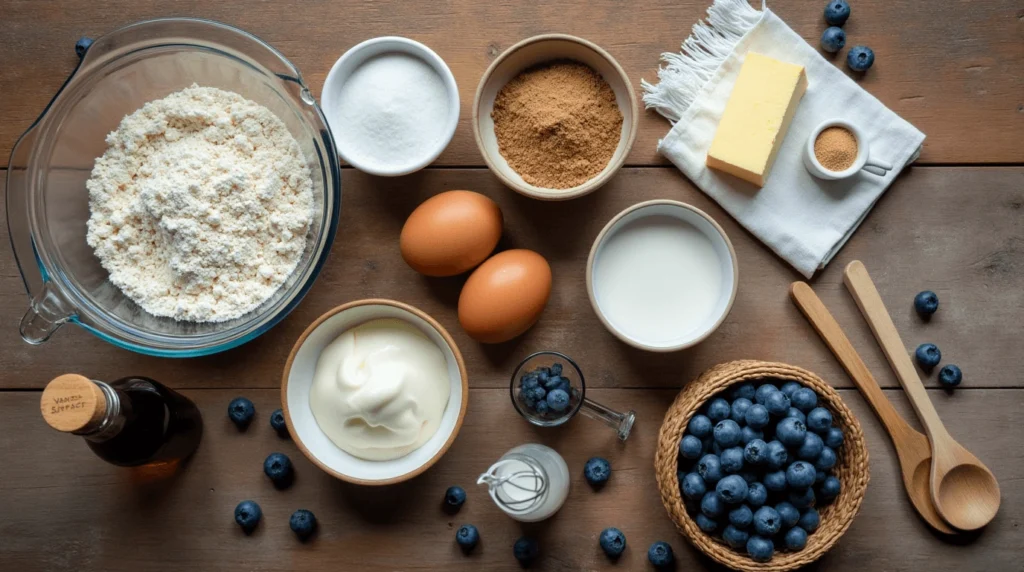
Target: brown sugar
column 557, row 124
column 836, row 148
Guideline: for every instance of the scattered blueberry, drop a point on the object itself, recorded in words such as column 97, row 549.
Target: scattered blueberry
column 718, row 410
column 802, row 499
column 613, row 542
column 788, row 513
column 241, row 412
column 526, row 550
column 829, row 489
column 735, row 537
column 748, row 434
column 278, row 424
column 837, row 12
column 558, row 400
column 777, row 403
column 826, row 460
column 597, row 471
column 797, row 414
column 745, row 390
column 809, row 520
column 247, row 515
column 278, row 467
column 860, row 58
column 739, row 410
column 708, row 525
column 757, row 495
column 819, row 420
column 727, row 433
column 950, row 376
column 811, row 447
column 756, row 452
column 775, row 481
column 712, row 505
column 789, row 388
column 762, row 393
column 928, row 356
column 732, row 460
column 454, row 498
column 833, row 39
column 733, row 489
column 834, row 438
column 757, row 416
column 660, row 555
column 693, row 486
column 690, row 447
column 800, row 475
column 302, row 523
column 926, row 303
column 760, row 549
column 805, row 399
column 777, row 454
column 767, row 521
column 741, row 516
column 796, row 538
column 791, row 431
column 467, row 536
column 700, row 426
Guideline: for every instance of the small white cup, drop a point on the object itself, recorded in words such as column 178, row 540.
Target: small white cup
column 862, row 162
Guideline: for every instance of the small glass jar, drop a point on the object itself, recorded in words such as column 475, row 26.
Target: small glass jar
column 529, row 483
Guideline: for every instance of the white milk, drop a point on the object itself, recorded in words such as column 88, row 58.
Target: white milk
column 657, row 279
column 529, row 483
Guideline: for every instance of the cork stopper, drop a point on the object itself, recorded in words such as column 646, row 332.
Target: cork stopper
column 72, row 403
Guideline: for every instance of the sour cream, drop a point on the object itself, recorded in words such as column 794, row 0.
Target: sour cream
column 380, row 389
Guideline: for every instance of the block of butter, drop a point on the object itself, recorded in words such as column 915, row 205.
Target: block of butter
column 757, row 115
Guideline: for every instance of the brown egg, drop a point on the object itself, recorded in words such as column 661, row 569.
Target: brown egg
column 505, row 296
column 451, row 233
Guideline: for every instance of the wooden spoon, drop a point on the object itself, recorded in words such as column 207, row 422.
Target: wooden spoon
column 912, row 448
column 964, row 490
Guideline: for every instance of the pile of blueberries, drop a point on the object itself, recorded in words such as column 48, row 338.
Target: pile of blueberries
column 753, row 466
column 860, row 58
column 546, row 393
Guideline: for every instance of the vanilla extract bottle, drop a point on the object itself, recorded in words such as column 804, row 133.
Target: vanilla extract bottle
column 129, row 422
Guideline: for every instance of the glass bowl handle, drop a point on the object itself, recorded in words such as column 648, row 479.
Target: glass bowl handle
column 621, row 422
column 47, row 312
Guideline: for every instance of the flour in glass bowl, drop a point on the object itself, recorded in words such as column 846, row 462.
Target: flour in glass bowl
column 200, row 205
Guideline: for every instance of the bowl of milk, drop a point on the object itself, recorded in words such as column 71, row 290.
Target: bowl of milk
column 662, row 275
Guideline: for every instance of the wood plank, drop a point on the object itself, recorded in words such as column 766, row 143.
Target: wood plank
column 65, row 509
column 964, row 241
column 953, row 74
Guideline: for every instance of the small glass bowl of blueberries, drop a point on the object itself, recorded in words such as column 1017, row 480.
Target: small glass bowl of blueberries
column 756, row 464
column 548, row 389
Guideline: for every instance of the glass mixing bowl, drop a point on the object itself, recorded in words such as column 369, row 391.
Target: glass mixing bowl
column 48, row 205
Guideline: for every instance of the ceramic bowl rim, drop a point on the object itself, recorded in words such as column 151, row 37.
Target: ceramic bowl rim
column 598, row 180
column 449, row 341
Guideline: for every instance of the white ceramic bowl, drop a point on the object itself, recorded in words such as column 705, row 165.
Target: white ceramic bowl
column 298, row 378
column 355, row 57
column 534, row 51
column 688, row 215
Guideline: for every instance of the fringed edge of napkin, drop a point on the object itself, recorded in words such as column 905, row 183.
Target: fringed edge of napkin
column 710, row 43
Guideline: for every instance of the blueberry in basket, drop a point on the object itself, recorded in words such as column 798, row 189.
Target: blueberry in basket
column 755, row 461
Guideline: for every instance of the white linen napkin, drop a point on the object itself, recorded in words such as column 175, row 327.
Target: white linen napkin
column 803, row 219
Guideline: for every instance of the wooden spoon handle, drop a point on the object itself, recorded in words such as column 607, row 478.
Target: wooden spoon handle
column 821, row 319
column 859, row 283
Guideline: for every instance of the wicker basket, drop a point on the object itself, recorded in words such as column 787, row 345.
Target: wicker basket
column 851, row 467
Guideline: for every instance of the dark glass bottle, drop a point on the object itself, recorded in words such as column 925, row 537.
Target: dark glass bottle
column 130, row 422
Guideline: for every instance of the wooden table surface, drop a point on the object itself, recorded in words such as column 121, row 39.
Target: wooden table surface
column 953, row 223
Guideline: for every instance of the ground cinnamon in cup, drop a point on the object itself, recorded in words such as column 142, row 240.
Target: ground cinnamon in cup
column 557, row 124
column 836, row 148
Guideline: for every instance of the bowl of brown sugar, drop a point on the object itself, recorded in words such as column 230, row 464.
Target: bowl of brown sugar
column 554, row 117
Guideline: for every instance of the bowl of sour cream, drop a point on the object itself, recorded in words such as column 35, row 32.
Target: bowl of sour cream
column 374, row 392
